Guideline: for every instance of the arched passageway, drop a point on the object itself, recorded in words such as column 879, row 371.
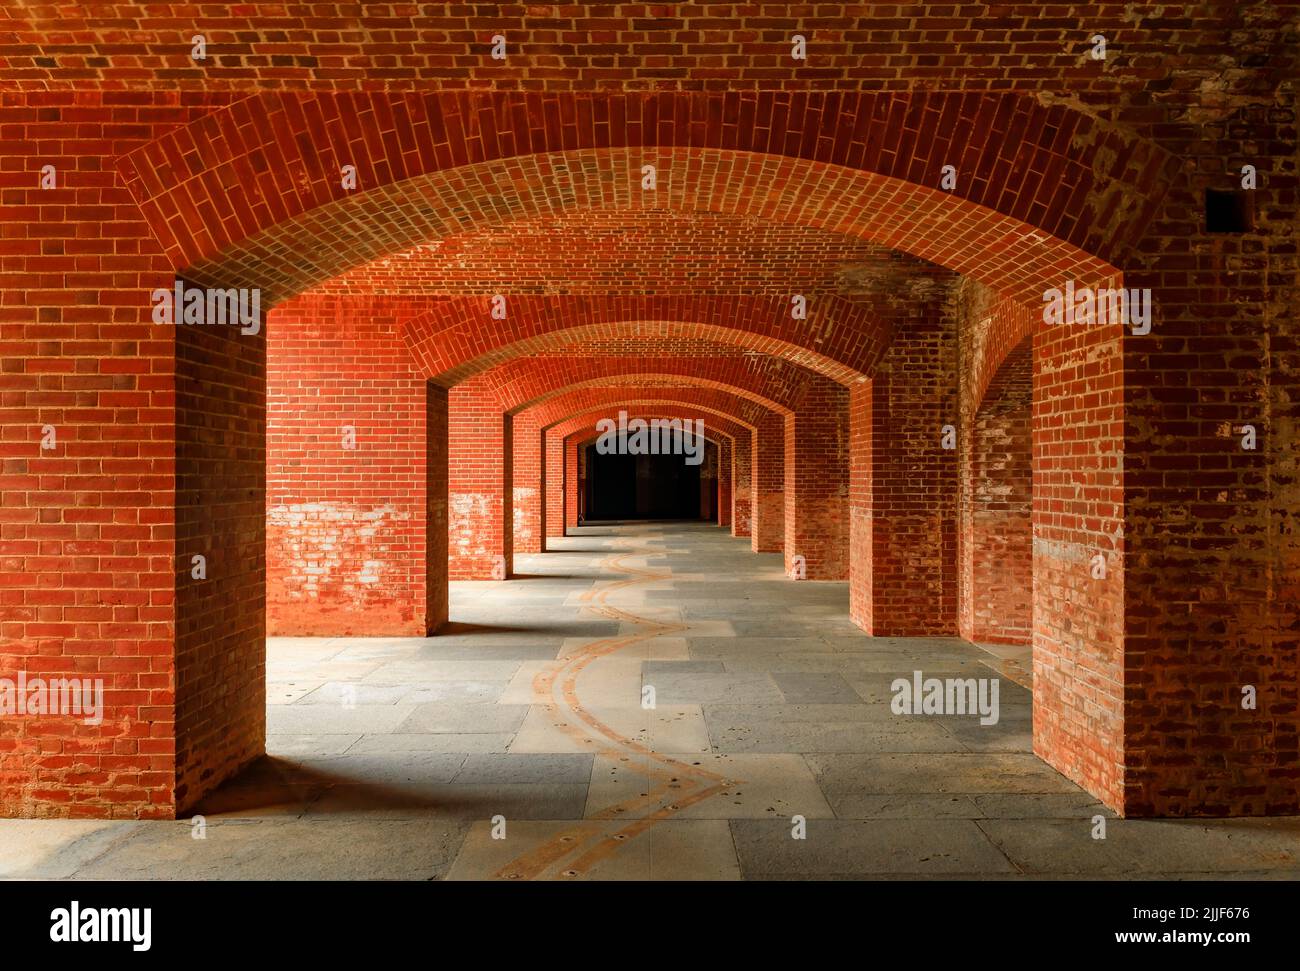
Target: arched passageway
column 433, row 337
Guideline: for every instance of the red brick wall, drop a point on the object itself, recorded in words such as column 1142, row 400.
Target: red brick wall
column 709, row 483
column 995, row 532
column 905, row 568
column 1078, row 430
column 768, row 503
column 346, row 545
column 1077, row 436
column 480, row 485
column 742, row 485
column 862, row 416
column 724, row 482
column 745, row 48
column 437, row 519
column 1212, row 563
column 90, row 558
column 995, row 602
column 817, row 483
column 574, row 479
column 220, row 515
column 555, row 493
column 527, row 498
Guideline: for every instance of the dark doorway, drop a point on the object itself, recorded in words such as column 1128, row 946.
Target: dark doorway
column 641, row 487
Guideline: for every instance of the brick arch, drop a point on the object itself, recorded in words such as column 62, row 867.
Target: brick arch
column 715, row 423
column 521, row 383
column 538, row 508
column 457, row 338
column 736, row 414
column 586, row 434
column 1043, row 191
column 576, row 433
column 1001, row 328
column 758, row 497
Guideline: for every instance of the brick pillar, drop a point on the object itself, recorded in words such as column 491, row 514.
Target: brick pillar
column 1079, row 638
column 480, row 457
column 220, row 709
column 861, row 540
column 527, row 499
column 817, row 483
column 741, row 470
column 553, row 477
column 768, row 486
column 436, row 518
column 573, row 481
column 346, row 471
column 709, row 482
column 724, row 483
column 903, row 579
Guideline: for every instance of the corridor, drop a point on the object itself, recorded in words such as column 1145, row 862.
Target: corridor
column 648, row 701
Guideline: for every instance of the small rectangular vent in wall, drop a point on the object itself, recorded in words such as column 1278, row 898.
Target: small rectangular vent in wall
column 1229, row 210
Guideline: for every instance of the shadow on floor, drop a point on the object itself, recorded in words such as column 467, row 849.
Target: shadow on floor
column 272, row 786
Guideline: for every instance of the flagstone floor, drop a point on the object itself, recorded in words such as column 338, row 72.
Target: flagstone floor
column 649, row 701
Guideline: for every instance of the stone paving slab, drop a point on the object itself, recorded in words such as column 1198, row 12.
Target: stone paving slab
column 668, row 728
column 55, row 849
column 284, row 850
column 938, row 773
column 876, row 847
column 828, row 737
column 705, row 688
column 1132, row 846
column 805, row 687
column 749, row 786
column 335, row 720
column 408, row 671
column 451, row 801
column 697, row 849
column 469, row 743
column 461, row 718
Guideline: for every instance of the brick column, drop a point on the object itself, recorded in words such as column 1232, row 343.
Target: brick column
column 436, row 519
column 573, row 479
column 527, row 499
column 553, row 480
column 1079, row 638
column 903, row 579
column 480, row 458
column 768, row 486
column 724, row 483
column 741, row 471
column 709, row 482
column 817, row 483
column 346, row 471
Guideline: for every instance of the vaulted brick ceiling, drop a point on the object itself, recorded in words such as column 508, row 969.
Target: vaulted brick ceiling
column 648, row 253
column 642, row 252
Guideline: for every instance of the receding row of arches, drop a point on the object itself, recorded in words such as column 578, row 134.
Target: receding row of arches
column 832, row 389
column 378, row 440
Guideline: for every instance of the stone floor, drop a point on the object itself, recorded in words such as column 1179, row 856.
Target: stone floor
column 516, row 746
